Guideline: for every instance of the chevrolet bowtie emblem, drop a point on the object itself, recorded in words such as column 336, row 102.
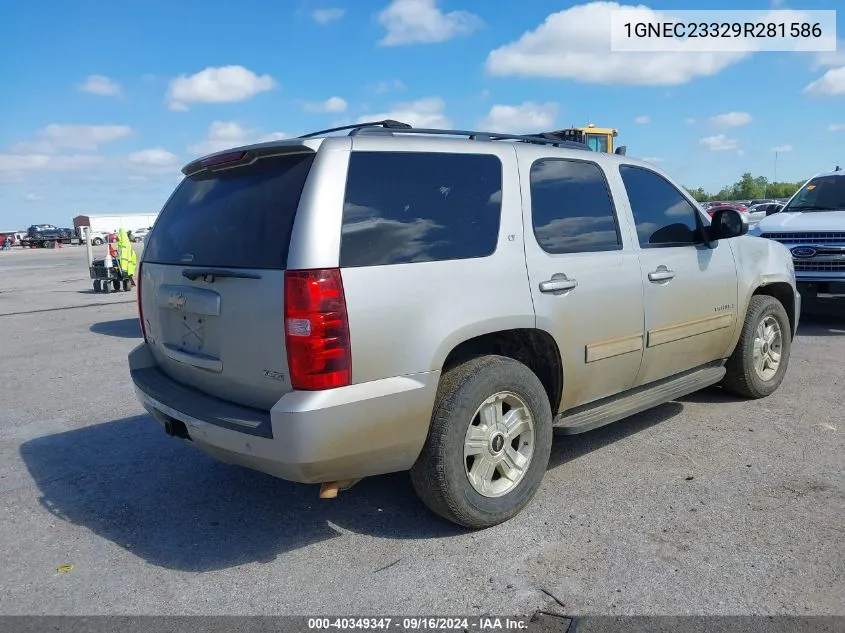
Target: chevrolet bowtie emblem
column 177, row 301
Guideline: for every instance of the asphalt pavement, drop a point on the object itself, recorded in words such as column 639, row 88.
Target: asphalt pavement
column 707, row 505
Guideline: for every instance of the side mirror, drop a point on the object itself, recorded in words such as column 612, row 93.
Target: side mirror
column 727, row 223
column 772, row 209
column 621, row 150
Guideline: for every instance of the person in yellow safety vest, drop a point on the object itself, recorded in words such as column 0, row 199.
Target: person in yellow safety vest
column 126, row 256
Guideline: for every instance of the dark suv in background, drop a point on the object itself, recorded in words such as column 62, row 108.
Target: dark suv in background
column 40, row 231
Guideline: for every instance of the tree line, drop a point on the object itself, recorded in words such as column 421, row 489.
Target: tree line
column 748, row 188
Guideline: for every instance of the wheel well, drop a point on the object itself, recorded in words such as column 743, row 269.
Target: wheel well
column 783, row 293
column 534, row 348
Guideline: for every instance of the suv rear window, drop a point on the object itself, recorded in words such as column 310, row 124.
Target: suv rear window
column 235, row 218
column 404, row 207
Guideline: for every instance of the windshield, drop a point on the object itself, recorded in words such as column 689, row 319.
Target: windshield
column 824, row 193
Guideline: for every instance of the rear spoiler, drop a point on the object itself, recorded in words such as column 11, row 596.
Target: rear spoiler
column 248, row 154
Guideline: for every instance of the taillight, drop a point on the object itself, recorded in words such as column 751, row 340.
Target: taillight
column 139, row 285
column 317, row 329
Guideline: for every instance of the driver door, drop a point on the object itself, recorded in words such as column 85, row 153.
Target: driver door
column 690, row 289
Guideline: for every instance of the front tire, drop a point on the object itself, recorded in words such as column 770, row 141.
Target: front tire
column 488, row 445
column 758, row 364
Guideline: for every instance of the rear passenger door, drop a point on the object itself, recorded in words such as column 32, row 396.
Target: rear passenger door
column 584, row 277
column 690, row 288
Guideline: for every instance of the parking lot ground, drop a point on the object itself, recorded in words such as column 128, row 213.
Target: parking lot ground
column 707, row 505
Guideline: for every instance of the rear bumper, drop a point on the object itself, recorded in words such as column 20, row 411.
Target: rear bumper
column 313, row 436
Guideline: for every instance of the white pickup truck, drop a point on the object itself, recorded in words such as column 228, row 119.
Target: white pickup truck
column 812, row 226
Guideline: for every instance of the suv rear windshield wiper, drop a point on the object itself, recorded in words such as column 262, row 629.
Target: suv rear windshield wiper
column 208, row 274
column 810, row 207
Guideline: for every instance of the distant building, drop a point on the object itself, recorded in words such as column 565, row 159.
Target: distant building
column 104, row 223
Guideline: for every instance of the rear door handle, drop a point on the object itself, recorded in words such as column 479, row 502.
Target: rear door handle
column 558, row 283
column 661, row 274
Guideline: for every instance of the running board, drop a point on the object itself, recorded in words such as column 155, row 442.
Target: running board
column 607, row 410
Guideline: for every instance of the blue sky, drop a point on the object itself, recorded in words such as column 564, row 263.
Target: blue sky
column 105, row 102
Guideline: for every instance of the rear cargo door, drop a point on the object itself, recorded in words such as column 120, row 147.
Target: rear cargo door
column 212, row 278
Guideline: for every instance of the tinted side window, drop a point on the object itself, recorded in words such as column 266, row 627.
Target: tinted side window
column 662, row 215
column 404, row 207
column 571, row 209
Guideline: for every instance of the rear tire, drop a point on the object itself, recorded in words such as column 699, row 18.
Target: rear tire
column 491, row 418
column 758, row 364
column 97, row 241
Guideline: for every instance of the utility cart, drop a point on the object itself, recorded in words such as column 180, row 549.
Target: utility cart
column 108, row 278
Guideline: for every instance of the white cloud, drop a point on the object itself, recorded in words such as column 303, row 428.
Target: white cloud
column 388, row 86
column 782, row 148
column 100, row 85
column 428, row 112
column 575, row 44
column 154, row 157
column 226, row 84
column 836, row 127
column 422, row 22
column 31, row 197
column 34, row 147
column 718, row 143
column 325, row 16
column 832, row 83
column 830, row 59
column 689, row 121
column 642, row 120
column 227, row 134
column 528, row 117
column 44, row 162
column 332, row 104
column 79, row 137
column 731, row 119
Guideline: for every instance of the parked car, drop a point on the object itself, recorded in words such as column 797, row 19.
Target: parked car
column 812, row 226
column 388, row 301
column 757, row 212
column 138, row 235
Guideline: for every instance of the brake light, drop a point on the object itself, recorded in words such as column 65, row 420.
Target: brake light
column 139, row 285
column 317, row 329
column 231, row 157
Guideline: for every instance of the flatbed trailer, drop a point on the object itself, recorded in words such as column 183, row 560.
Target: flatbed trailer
column 49, row 242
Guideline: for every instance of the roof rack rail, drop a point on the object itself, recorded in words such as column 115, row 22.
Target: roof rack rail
column 386, row 123
column 389, row 126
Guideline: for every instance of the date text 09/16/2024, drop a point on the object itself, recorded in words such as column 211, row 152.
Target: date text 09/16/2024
column 485, row 623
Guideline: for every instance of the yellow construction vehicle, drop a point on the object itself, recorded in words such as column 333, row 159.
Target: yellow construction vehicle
column 598, row 139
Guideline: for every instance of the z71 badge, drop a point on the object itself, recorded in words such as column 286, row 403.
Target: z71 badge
column 275, row 375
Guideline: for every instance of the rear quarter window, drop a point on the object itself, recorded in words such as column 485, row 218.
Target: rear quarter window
column 407, row 207
column 235, row 218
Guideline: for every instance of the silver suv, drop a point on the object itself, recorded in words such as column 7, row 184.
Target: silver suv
column 332, row 307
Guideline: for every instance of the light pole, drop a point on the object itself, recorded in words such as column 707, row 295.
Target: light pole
column 776, row 166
